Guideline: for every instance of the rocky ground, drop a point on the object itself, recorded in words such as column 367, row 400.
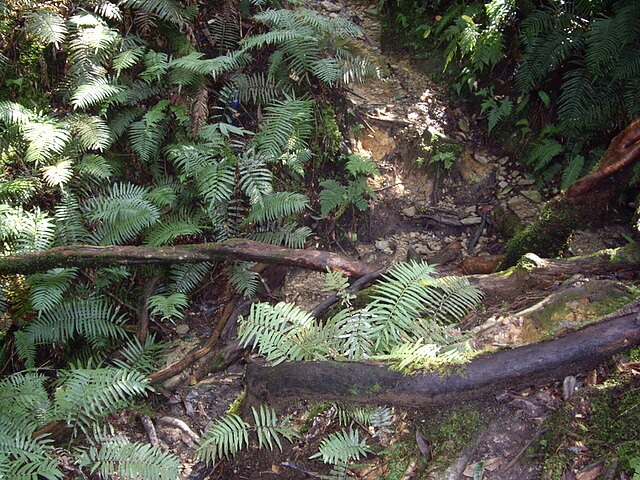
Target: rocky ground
column 443, row 214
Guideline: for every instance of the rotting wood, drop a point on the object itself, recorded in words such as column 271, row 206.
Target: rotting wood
column 535, row 364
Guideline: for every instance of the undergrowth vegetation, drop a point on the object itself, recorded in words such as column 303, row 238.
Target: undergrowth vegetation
column 557, row 78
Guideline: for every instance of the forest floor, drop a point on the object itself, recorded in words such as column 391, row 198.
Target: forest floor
column 444, row 215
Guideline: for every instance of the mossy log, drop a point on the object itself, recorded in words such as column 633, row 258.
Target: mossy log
column 535, row 364
column 237, row 249
column 588, row 201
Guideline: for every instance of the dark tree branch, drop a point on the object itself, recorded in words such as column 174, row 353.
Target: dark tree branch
column 535, row 364
column 237, row 249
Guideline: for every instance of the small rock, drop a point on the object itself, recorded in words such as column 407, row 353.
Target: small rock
column 382, row 244
column 472, row 220
column 515, row 174
column 503, row 184
column 525, row 182
column 409, row 211
column 532, row 195
column 463, row 124
column 503, row 161
column 481, row 159
column 529, row 408
column 330, row 6
column 182, row 329
column 471, row 209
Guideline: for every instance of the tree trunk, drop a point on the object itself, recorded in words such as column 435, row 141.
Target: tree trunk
column 588, row 201
column 357, row 382
column 237, row 249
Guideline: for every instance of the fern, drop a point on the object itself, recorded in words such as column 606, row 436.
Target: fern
column 171, row 229
column 18, row 190
column 168, row 307
column 23, row 457
column 226, row 437
column 121, row 214
column 147, row 134
column 244, row 279
column 277, row 205
column 97, row 91
column 352, row 334
column 47, row 26
column 92, row 133
column 543, row 152
column 95, row 166
column 24, row 400
column 144, row 358
column 69, row 222
column 186, row 277
column 282, row 332
column 287, row 234
column 167, row 10
column 87, row 395
column 333, row 196
column 574, row 169
column 130, row 461
column 341, row 447
column 230, row 433
column 47, row 289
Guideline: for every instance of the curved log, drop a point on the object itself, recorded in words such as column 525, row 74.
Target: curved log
column 238, row 249
column 534, row 364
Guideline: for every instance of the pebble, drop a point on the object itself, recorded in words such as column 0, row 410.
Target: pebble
column 503, row 161
column 463, row 124
column 481, row 159
column 526, row 182
column 182, row 329
column 330, row 6
column 532, row 195
column 471, row 220
column 409, row 211
column 503, row 184
column 382, row 244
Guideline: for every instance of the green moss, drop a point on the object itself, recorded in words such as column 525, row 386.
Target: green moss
column 236, row 405
column 546, row 237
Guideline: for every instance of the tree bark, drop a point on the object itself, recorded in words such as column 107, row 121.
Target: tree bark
column 536, row 364
column 588, row 201
column 237, row 249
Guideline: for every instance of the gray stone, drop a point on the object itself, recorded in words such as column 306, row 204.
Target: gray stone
column 503, row 161
column 409, row 211
column 182, row 329
column 330, row 6
column 382, row 244
column 526, row 182
column 532, row 195
column 481, row 159
column 503, row 184
column 473, row 220
column 463, row 124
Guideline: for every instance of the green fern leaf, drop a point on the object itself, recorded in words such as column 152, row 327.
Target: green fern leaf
column 99, row 91
column 268, row 429
column 47, row 289
column 333, row 196
column 341, row 447
column 128, row 58
column 351, row 334
column 147, row 135
column 47, row 26
column 145, row 358
column 168, row 307
column 276, row 206
column 243, row 279
column 186, row 277
column 58, row 174
column 573, row 171
column 287, row 125
column 130, row 461
column 92, row 132
column 543, row 152
column 95, row 166
column 18, row 190
column 224, row 438
column 289, row 234
column 23, row 398
column 282, row 332
column 167, row 10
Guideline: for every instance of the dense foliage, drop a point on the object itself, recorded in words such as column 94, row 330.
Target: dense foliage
column 559, row 77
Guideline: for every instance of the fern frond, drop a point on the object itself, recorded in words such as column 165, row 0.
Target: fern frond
column 130, row 461
column 186, row 277
column 351, row 334
column 574, row 169
column 333, row 196
column 288, row 234
column 92, row 133
column 243, row 279
column 59, row 174
column 23, row 457
column 36, row 231
column 45, row 139
column 121, row 213
column 216, row 183
column 98, row 91
column 18, row 190
column 94, row 319
column 47, row 289
column 167, row 10
column 256, row 180
column 282, row 332
column 24, row 399
column 95, row 166
column 287, row 125
column 543, row 152
column 341, row 447
column 70, row 222
column 169, row 306
column 256, row 89
column 147, row 134
column 276, row 206
column 145, row 358
column 121, row 122
column 269, row 429
column 171, row 229
column 47, row 26
column 224, row 438
column 128, row 58
column 87, row 395
column 107, row 10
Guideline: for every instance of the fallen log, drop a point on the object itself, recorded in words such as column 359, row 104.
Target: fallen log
column 535, row 364
column 237, row 249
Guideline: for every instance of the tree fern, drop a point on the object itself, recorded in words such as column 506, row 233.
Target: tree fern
column 130, row 461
